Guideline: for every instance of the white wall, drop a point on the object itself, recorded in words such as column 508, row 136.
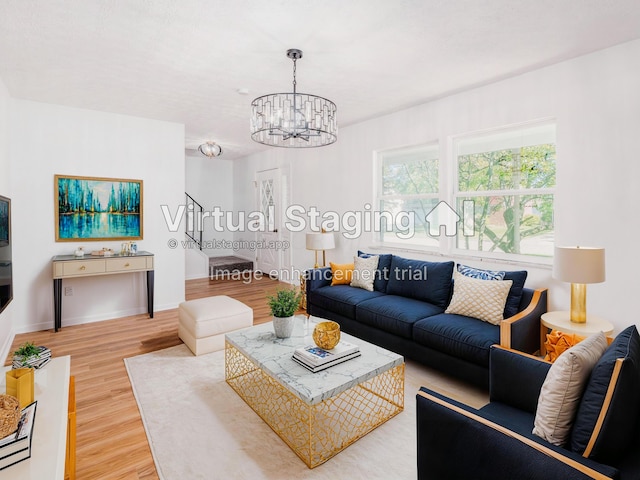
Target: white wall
column 595, row 100
column 52, row 139
column 210, row 182
column 6, row 317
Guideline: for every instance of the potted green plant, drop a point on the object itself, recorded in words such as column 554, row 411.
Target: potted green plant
column 29, row 355
column 283, row 306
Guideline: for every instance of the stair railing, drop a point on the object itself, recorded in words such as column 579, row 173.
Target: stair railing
column 194, row 216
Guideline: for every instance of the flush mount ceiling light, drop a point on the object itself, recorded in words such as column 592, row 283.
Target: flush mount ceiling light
column 293, row 120
column 210, row 149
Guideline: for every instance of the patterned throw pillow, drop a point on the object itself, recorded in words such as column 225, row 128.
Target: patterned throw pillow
column 512, row 306
column 479, row 273
column 481, row 299
column 364, row 272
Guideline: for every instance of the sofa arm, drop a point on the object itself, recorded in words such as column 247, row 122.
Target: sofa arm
column 515, row 378
column 455, row 441
column 522, row 331
column 317, row 277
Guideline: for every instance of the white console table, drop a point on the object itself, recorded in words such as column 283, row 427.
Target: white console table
column 70, row 266
column 49, row 442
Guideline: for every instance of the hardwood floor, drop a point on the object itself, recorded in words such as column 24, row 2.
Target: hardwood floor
column 111, row 441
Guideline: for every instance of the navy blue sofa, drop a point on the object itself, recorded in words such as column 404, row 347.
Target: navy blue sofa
column 405, row 313
column 495, row 442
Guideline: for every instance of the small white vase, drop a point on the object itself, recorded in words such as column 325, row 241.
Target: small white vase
column 283, row 326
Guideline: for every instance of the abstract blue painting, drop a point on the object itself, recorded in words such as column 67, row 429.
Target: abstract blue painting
column 89, row 208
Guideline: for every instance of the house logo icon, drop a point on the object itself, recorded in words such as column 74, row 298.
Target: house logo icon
column 444, row 217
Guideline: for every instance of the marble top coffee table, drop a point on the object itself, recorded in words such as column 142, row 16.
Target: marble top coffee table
column 316, row 414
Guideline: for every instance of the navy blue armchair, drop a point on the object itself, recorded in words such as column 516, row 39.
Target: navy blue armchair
column 495, row 442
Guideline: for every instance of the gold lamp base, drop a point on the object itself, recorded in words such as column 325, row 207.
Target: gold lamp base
column 579, row 303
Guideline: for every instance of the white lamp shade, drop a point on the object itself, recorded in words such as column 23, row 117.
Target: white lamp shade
column 579, row 264
column 320, row 241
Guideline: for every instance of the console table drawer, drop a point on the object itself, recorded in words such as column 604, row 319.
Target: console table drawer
column 126, row 264
column 80, row 267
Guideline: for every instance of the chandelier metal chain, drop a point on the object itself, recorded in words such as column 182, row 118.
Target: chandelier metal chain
column 295, row 83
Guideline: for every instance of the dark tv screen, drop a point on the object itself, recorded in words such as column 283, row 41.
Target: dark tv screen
column 6, row 272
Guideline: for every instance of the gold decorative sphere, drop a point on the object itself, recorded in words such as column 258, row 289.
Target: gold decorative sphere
column 326, row 334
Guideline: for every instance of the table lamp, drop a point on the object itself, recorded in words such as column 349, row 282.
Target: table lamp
column 320, row 242
column 580, row 266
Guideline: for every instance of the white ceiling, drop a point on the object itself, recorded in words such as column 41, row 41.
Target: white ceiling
column 184, row 60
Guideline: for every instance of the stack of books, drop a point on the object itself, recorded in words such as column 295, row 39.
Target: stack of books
column 35, row 361
column 17, row 446
column 316, row 359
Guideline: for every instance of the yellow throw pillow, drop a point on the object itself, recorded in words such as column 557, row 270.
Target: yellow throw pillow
column 557, row 342
column 341, row 273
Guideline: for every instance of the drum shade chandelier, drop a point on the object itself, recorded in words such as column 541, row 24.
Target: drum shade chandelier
column 293, row 120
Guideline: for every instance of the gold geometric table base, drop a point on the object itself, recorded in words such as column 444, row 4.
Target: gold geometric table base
column 316, row 432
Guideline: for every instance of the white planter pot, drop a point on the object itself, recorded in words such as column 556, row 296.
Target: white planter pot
column 283, row 326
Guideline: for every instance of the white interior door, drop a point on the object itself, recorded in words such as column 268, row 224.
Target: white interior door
column 268, row 258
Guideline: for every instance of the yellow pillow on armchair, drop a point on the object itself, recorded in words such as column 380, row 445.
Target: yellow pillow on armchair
column 341, row 273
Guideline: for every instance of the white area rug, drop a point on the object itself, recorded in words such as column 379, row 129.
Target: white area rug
column 198, row 427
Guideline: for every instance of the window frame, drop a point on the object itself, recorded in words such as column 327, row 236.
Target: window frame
column 448, row 191
column 379, row 197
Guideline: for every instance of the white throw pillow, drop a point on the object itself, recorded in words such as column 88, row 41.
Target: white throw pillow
column 562, row 389
column 364, row 272
column 481, row 299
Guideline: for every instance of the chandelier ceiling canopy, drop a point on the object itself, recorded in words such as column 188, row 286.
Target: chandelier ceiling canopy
column 293, row 120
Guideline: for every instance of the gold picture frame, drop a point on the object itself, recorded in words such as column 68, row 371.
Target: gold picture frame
column 97, row 208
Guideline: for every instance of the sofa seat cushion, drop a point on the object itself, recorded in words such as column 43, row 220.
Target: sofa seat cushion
column 341, row 299
column 394, row 314
column 516, row 420
column 463, row 337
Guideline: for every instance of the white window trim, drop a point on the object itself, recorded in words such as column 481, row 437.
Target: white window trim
column 447, row 191
column 377, row 242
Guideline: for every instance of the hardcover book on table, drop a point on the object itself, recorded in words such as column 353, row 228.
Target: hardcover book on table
column 36, row 361
column 316, row 356
column 318, row 368
column 17, row 446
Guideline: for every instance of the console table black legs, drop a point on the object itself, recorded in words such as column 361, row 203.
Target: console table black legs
column 57, row 299
column 150, row 283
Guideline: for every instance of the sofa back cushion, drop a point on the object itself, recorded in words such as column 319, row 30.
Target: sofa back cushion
column 426, row 281
column 608, row 416
column 382, row 273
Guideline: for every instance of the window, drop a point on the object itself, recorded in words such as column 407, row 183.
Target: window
column 408, row 189
column 497, row 194
column 510, row 178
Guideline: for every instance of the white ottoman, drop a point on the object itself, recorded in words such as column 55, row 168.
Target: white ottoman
column 203, row 322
